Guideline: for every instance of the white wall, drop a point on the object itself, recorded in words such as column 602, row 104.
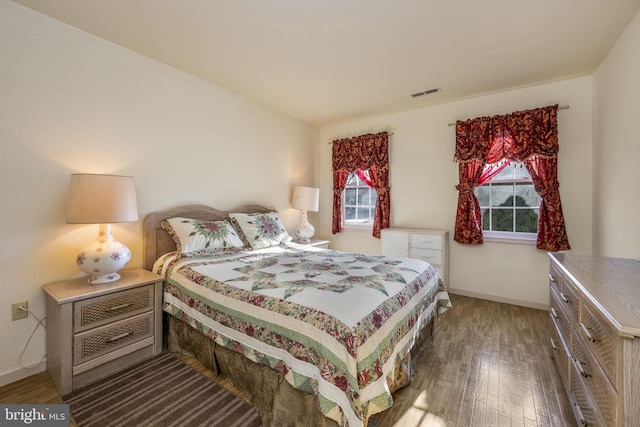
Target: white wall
column 617, row 148
column 71, row 102
column 424, row 176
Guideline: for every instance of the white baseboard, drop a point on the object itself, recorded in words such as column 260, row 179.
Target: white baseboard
column 20, row 372
column 496, row 298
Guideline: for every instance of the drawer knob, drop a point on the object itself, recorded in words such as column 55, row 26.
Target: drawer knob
column 565, row 299
column 590, row 337
column 553, row 345
column 117, row 307
column 119, row 337
column 553, row 279
column 554, row 313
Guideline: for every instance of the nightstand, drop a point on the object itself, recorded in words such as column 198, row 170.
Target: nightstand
column 324, row 244
column 96, row 330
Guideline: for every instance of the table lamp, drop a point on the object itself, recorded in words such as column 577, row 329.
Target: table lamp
column 305, row 199
column 102, row 199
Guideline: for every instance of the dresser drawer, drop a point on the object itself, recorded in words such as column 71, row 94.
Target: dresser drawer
column 568, row 294
column 560, row 353
column 426, row 241
column 559, row 313
column 583, row 410
column 432, row 256
column 98, row 311
column 97, row 342
column 598, row 386
column 600, row 338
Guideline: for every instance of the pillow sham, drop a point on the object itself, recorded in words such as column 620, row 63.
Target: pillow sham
column 194, row 236
column 262, row 230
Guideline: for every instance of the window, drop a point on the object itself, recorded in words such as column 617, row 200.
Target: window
column 358, row 202
column 509, row 204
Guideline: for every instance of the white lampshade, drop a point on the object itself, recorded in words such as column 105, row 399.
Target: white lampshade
column 305, row 199
column 102, row 199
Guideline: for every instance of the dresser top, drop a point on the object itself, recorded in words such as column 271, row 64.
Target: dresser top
column 611, row 284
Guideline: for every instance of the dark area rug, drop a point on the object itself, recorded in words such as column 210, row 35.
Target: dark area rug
column 162, row 391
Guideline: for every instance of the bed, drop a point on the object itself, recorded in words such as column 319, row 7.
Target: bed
column 311, row 336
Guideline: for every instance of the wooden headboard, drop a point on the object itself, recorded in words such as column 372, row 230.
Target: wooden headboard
column 157, row 241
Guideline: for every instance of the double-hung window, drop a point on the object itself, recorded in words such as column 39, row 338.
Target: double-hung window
column 358, row 202
column 509, row 204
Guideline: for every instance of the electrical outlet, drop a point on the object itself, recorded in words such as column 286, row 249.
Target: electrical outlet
column 16, row 313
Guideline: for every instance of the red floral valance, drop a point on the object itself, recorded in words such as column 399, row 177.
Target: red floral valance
column 530, row 137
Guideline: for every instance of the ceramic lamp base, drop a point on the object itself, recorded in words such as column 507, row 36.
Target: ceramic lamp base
column 304, row 231
column 103, row 258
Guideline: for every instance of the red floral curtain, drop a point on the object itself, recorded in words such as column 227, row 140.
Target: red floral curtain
column 369, row 154
column 530, row 137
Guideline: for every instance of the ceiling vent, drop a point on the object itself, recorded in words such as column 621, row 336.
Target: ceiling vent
column 426, row 92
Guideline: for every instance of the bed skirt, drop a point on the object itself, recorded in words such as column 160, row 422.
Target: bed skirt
column 279, row 403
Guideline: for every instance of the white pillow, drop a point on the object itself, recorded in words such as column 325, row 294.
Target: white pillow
column 194, row 236
column 262, row 230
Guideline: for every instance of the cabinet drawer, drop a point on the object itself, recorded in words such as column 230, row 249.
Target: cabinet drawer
column 432, row 256
column 426, row 241
column 598, row 386
column 568, row 294
column 560, row 353
column 583, row 408
column 600, row 339
column 99, row 341
column 98, row 311
column 560, row 315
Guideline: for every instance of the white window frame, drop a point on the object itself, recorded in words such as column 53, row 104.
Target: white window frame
column 355, row 225
column 508, row 236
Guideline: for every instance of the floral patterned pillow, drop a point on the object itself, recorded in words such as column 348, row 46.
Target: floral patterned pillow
column 262, row 230
column 193, row 236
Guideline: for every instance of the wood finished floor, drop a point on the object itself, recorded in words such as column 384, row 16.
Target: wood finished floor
column 489, row 365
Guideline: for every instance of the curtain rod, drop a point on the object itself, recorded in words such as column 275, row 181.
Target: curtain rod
column 562, row 107
column 388, row 134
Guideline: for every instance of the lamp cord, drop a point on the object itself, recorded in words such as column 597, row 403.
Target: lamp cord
column 40, row 323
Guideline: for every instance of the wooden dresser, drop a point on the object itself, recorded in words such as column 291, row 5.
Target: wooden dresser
column 595, row 336
column 95, row 330
column 431, row 246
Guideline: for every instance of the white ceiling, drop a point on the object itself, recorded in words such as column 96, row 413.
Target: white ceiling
column 323, row 61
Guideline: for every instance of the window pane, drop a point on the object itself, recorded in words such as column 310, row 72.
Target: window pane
column 506, row 173
column 364, row 196
column 349, row 214
column 502, row 219
column 363, row 215
column 352, row 180
column 374, row 197
column 482, row 193
column 502, row 194
column 526, row 195
column 520, row 172
column 527, row 220
column 350, row 196
column 485, row 219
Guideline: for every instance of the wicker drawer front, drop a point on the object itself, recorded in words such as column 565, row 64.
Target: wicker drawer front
column 600, row 339
column 560, row 353
column 560, row 314
column 97, row 342
column 583, row 408
column 566, row 291
column 98, row 311
column 598, row 386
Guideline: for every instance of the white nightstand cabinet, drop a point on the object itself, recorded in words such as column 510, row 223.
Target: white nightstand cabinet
column 428, row 245
column 96, row 330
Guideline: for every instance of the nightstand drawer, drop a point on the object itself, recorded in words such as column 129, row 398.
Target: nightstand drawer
column 97, row 311
column 97, row 342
